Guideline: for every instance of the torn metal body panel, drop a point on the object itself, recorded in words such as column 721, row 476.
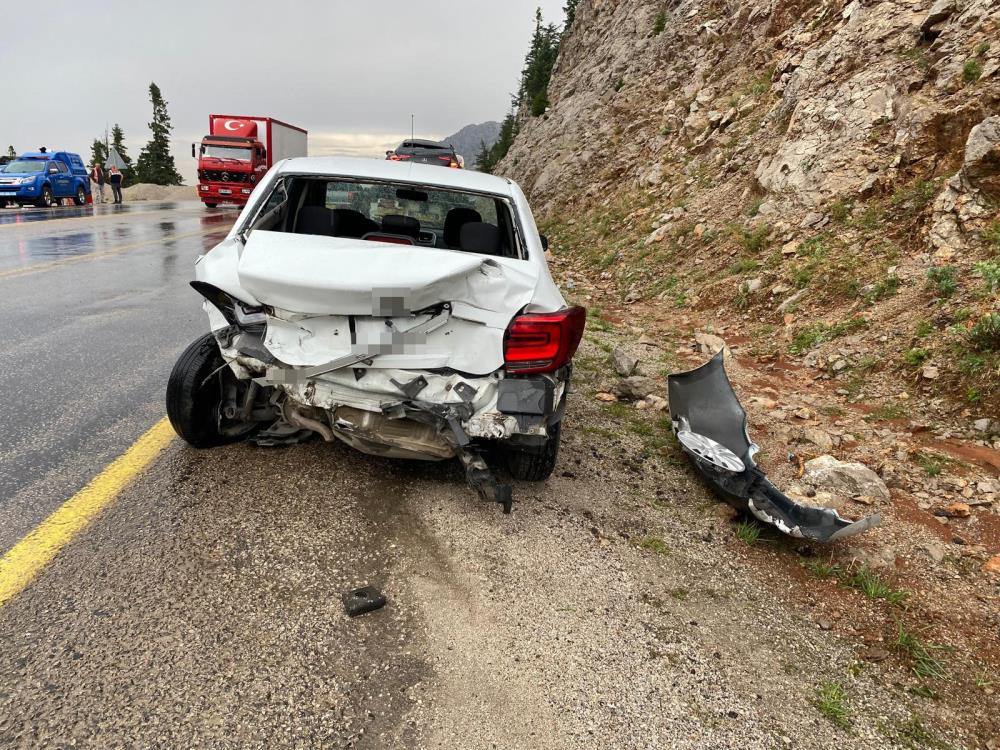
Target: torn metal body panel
column 711, row 426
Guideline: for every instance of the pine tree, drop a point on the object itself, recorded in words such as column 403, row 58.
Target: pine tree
column 570, row 10
column 98, row 152
column 118, row 141
column 483, row 157
column 508, row 131
column 11, row 152
column 538, row 66
column 156, row 164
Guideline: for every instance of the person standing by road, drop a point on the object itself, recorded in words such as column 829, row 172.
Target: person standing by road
column 115, row 178
column 97, row 177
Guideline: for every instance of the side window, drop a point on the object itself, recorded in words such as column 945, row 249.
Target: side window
column 62, row 167
column 277, row 197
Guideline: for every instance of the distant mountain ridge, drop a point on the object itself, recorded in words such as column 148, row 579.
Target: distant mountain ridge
column 469, row 140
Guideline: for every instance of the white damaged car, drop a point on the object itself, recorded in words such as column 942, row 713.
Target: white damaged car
column 403, row 309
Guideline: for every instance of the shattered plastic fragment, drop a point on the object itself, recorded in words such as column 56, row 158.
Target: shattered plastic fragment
column 711, row 426
column 360, row 601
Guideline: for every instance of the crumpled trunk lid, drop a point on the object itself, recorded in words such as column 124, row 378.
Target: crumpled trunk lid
column 336, row 296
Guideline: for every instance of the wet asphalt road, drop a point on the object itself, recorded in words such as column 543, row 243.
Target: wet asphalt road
column 95, row 308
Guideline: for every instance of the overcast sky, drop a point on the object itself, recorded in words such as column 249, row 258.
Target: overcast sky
column 349, row 72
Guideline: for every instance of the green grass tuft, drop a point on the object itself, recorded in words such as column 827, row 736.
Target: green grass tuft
column 659, row 23
column 872, row 585
column 831, row 701
column 924, row 654
column 654, row 544
column 748, row 532
column 972, row 71
column 942, row 280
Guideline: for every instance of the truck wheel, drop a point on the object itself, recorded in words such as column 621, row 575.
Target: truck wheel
column 211, row 205
column 195, row 392
column 46, row 200
column 81, row 196
column 535, row 464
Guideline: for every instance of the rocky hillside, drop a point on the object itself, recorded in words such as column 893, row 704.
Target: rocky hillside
column 814, row 185
column 821, row 175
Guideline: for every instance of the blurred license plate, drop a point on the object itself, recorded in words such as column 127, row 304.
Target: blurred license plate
column 223, row 191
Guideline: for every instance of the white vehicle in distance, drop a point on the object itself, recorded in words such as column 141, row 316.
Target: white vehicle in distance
column 401, row 308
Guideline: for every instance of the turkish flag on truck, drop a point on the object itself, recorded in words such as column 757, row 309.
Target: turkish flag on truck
column 234, row 127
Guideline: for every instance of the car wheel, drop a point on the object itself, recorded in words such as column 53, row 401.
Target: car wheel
column 211, row 205
column 46, row 200
column 81, row 196
column 537, row 463
column 195, row 391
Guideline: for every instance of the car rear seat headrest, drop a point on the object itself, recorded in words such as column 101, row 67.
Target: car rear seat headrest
column 454, row 221
column 315, row 220
column 480, row 237
column 399, row 224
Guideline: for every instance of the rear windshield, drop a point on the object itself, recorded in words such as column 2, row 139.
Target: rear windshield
column 26, row 165
column 392, row 212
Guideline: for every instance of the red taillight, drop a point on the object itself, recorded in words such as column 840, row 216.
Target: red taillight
column 543, row 342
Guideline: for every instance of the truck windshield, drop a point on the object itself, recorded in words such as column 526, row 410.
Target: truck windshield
column 25, row 165
column 226, row 152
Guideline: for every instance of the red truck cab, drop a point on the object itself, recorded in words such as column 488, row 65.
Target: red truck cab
column 238, row 151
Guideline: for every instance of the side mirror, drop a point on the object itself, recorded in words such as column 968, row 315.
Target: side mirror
column 53, row 170
column 545, row 241
column 192, row 151
column 263, row 153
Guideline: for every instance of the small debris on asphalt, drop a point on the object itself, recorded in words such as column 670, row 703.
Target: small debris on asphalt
column 363, row 600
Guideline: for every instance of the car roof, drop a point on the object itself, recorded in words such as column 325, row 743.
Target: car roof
column 397, row 171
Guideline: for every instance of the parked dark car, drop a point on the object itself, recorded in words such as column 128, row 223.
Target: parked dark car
column 426, row 152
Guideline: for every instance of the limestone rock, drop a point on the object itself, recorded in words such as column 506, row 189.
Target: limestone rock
column 623, row 363
column 709, row 343
column 635, row 388
column 849, row 479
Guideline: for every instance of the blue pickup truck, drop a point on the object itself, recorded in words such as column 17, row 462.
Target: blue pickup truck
column 42, row 178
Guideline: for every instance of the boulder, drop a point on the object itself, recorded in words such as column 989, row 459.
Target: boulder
column 940, row 11
column 635, row 388
column 850, row 479
column 709, row 343
column 623, row 363
column 818, row 437
column 982, row 156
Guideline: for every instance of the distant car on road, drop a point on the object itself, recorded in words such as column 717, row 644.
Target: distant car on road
column 426, row 152
column 407, row 313
column 42, row 178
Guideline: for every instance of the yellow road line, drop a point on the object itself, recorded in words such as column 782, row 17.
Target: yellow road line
column 105, row 253
column 27, row 558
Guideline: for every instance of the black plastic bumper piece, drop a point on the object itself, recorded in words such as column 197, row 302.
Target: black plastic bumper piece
column 526, row 396
column 711, row 426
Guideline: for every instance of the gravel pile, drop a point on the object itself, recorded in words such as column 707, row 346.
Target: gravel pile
column 147, row 192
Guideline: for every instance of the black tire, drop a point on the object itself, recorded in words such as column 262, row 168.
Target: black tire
column 194, row 394
column 81, row 196
column 535, row 464
column 211, row 205
column 46, row 200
